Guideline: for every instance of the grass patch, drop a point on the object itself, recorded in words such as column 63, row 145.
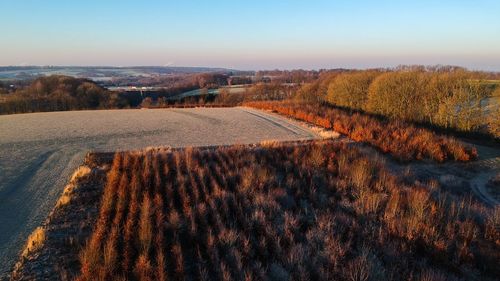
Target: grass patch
column 79, row 174
column 35, row 241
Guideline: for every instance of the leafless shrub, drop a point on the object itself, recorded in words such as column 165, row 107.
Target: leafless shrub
column 283, row 212
column 145, row 227
column 402, row 140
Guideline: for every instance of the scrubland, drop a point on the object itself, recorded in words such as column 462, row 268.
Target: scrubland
column 400, row 139
column 307, row 211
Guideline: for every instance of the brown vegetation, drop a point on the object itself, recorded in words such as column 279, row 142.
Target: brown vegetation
column 402, row 140
column 313, row 211
column 257, row 92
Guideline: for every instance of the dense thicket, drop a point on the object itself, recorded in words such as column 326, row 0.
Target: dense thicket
column 349, row 89
column 494, row 114
column 316, row 91
column 257, row 92
column 56, row 93
column 4, row 89
column 316, row 211
column 286, row 76
column 449, row 99
column 400, row 139
column 444, row 97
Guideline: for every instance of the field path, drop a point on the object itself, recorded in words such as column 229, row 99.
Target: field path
column 39, row 151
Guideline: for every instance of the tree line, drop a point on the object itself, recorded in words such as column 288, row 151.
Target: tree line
column 59, row 93
column 447, row 97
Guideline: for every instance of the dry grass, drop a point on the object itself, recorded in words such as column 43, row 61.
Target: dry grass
column 66, row 196
column 35, row 241
column 79, row 174
column 314, row 211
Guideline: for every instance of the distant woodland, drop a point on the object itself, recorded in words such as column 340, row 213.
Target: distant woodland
column 62, row 93
column 58, row 93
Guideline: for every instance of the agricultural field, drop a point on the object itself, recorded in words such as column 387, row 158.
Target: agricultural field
column 47, row 147
column 313, row 210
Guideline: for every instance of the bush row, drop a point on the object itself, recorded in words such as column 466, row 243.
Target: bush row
column 402, row 140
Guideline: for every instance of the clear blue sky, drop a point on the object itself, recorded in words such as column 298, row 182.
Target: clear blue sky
column 251, row 34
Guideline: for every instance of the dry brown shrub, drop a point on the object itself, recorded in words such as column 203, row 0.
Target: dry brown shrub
column 145, row 227
column 493, row 226
column 403, row 141
column 432, row 275
column 259, row 212
column 143, row 269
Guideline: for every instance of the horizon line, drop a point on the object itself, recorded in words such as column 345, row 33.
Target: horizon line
column 263, row 69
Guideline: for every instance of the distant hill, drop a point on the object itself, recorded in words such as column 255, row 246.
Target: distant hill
column 97, row 73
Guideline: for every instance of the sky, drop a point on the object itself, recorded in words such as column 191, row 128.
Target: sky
column 251, row 35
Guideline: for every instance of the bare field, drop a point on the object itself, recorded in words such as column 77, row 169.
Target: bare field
column 39, row 151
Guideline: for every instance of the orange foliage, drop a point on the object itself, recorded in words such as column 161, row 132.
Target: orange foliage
column 402, row 140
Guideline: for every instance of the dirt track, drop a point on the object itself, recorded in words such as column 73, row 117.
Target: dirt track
column 39, row 151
